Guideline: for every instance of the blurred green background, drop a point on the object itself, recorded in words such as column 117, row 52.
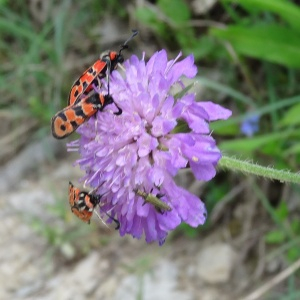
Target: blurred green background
column 248, row 58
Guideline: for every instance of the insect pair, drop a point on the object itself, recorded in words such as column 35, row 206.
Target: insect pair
column 83, row 101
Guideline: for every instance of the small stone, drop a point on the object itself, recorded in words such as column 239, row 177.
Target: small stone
column 85, row 273
column 211, row 294
column 159, row 284
column 215, row 263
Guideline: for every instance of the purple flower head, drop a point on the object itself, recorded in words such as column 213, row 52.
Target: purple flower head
column 250, row 125
column 143, row 149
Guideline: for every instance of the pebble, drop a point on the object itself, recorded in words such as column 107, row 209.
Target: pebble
column 215, row 263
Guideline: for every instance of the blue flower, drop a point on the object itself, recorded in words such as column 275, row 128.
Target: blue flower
column 250, row 125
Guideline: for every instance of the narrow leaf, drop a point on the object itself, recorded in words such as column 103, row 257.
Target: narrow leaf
column 287, row 10
column 272, row 43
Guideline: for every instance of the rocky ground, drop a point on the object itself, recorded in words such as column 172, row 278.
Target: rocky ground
column 47, row 253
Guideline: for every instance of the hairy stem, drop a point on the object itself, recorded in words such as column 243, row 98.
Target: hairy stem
column 254, row 169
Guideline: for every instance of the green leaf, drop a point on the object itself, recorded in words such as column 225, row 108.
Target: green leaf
column 181, row 127
column 293, row 254
column 273, row 148
column 295, row 225
column 275, row 237
column 175, row 10
column 272, row 43
column 292, row 150
column 247, row 145
column 291, row 117
column 17, row 30
column 38, row 109
column 184, row 91
column 279, row 104
column 287, row 10
column 282, row 211
column 221, row 128
column 227, row 90
column 149, row 17
column 204, row 47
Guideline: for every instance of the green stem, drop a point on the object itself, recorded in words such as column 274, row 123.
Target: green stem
column 254, row 169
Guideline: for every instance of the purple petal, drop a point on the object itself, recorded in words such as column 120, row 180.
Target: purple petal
column 185, row 67
column 215, row 111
